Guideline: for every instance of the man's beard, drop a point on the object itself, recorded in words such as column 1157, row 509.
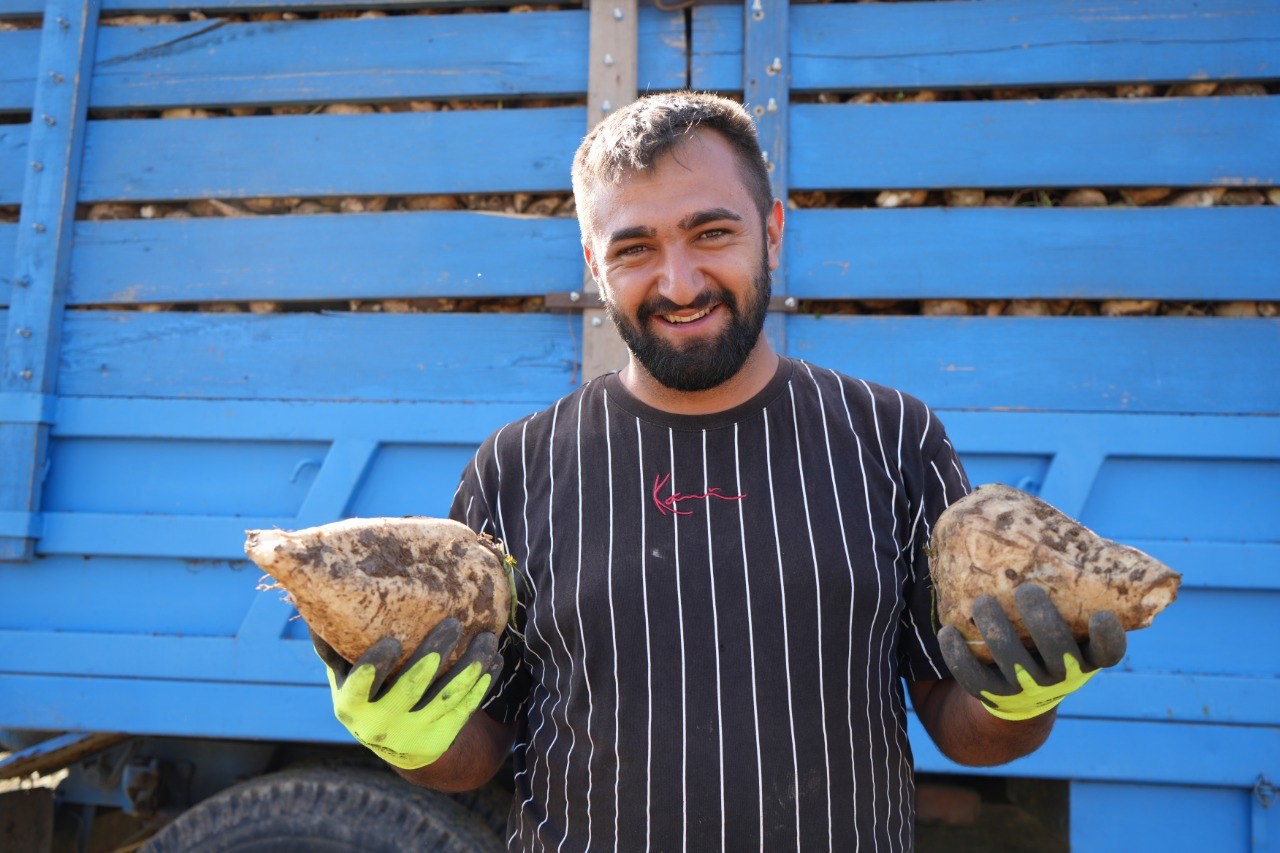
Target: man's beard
column 704, row 364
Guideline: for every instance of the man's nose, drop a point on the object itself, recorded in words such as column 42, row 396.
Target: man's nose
column 680, row 280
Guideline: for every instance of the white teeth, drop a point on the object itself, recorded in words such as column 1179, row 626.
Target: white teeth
column 672, row 318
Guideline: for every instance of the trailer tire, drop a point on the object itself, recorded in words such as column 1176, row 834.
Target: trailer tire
column 325, row 810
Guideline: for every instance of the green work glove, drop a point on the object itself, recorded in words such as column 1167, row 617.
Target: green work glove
column 1021, row 685
column 413, row 719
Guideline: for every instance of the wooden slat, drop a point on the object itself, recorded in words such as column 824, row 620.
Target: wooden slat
column 1158, row 364
column 41, row 262
column 214, row 63
column 13, row 153
column 1018, row 253
column 1001, row 43
column 411, row 255
column 1156, row 142
column 922, row 253
column 1167, row 753
column 21, row 52
column 30, row 8
column 1078, row 748
column 399, row 154
column 1158, row 697
column 358, row 356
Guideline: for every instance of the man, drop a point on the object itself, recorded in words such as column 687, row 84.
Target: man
column 724, row 582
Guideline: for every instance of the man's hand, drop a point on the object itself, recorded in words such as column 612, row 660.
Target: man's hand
column 412, row 720
column 1021, row 686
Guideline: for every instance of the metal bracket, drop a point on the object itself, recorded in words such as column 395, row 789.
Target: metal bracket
column 576, row 300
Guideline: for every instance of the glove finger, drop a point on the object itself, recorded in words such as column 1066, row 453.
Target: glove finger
column 1049, row 630
column 463, row 675
column 967, row 670
column 336, row 662
column 1107, row 640
column 372, row 668
column 415, row 677
column 1003, row 642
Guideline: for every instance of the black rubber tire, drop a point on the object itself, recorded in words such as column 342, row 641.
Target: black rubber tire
column 325, row 810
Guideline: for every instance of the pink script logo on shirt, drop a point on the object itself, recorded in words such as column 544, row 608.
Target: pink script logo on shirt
column 671, row 503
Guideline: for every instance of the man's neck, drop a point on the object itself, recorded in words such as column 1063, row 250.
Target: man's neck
column 750, row 380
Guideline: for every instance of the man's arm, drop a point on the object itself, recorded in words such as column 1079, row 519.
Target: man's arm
column 967, row 733
column 475, row 756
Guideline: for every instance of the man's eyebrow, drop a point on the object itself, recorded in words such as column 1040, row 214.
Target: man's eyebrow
column 632, row 233
column 702, row 217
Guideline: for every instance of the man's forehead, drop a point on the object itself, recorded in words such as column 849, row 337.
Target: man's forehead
column 710, row 173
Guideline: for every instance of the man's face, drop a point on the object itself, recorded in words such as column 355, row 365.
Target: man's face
column 683, row 262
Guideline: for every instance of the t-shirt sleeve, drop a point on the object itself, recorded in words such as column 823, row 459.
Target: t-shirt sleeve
column 942, row 482
column 474, row 504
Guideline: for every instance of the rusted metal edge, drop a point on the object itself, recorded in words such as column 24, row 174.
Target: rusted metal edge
column 57, row 752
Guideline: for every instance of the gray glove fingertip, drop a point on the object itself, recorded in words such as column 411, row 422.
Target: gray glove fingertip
column 482, row 648
column 440, row 640
column 1051, row 633
column 1003, row 642
column 966, row 669
column 334, row 661
column 1107, row 640
column 382, row 656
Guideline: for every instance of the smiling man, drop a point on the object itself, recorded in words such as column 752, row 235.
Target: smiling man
column 723, row 578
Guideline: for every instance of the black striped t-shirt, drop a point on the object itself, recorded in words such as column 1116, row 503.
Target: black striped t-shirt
column 718, row 614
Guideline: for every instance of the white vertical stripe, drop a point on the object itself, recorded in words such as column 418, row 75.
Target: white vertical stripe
column 890, row 623
column 715, row 631
column 684, row 692
column 817, row 591
column 648, row 650
column 786, row 640
column 531, row 626
column 551, row 564
column 853, row 592
column 751, row 638
column 613, row 627
column 871, row 662
column 582, row 637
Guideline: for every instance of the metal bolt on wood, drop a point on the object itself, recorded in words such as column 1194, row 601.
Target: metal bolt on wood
column 24, row 333
column 37, row 227
column 608, row 59
column 757, row 11
column 775, row 66
column 617, row 14
column 37, row 166
column 55, row 76
column 50, row 121
column 26, row 374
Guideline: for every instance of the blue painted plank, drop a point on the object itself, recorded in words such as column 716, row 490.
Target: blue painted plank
column 201, row 709
column 1171, row 365
column 1001, row 43
column 370, row 256
column 381, row 154
column 42, row 251
column 8, row 238
column 429, row 422
column 21, row 50
column 13, row 160
column 1156, row 697
column 214, row 63
column 766, row 83
column 1109, row 817
column 1142, row 142
column 1164, row 753
column 1157, row 364
column 1018, row 253
column 33, row 8
column 439, row 357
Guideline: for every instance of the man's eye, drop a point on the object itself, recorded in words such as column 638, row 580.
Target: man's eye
column 713, row 233
column 630, row 251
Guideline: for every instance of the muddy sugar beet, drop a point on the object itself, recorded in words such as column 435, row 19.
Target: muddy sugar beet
column 998, row 538
column 357, row 581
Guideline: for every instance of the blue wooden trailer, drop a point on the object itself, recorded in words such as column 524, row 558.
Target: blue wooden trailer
column 289, row 313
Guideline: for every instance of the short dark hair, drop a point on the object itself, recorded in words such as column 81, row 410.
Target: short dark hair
column 633, row 137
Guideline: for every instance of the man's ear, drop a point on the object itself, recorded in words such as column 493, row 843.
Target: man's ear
column 773, row 233
column 589, row 257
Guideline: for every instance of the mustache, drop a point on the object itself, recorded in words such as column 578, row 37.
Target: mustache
column 705, row 299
